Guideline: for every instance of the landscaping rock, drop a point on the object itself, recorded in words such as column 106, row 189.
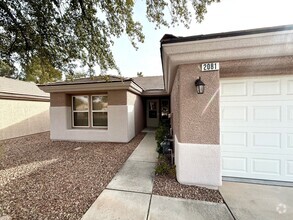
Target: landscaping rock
column 42, row 179
column 166, row 185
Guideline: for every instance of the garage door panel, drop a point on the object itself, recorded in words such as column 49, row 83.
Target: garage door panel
column 266, row 140
column 235, row 88
column 234, row 113
column 266, row 166
column 290, row 141
column 249, row 98
column 278, row 142
column 257, row 127
column 290, row 87
column 266, row 87
column 234, row 139
column 289, row 168
column 261, row 113
column 290, row 113
column 258, row 166
column 266, row 113
column 234, row 164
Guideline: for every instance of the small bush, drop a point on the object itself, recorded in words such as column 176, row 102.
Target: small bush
column 164, row 168
column 161, row 132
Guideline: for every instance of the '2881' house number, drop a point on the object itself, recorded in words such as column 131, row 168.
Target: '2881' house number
column 210, row 66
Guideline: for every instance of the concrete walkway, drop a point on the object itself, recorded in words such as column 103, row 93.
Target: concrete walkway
column 129, row 195
column 254, row 201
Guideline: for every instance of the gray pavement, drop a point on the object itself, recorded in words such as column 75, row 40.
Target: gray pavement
column 146, row 152
column 113, row 204
column 135, row 176
column 166, row 208
column 253, row 201
column 129, row 195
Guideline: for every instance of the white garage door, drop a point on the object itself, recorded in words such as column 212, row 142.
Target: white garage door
column 257, row 127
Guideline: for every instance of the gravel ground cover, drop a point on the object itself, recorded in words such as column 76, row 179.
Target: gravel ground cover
column 41, row 179
column 167, row 185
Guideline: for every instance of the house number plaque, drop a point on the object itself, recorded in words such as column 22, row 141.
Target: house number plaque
column 210, row 67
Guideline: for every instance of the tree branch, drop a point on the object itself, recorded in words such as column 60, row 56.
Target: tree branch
column 7, row 10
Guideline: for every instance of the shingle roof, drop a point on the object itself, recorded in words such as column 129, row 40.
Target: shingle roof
column 18, row 87
column 150, row 82
column 95, row 79
column 146, row 82
column 169, row 38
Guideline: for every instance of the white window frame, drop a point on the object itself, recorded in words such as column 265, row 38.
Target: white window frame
column 73, row 111
column 92, row 111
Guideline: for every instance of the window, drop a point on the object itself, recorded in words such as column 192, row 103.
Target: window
column 80, row 109
column 99, row 111
column 92, row 113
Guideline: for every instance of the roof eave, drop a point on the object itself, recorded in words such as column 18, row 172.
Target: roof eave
column 95, row 87
column 160, row 92
column 271, row 44
column 28, row 97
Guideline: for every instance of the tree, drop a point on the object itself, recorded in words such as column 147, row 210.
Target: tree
column 75, row 75
column 6, row 69
column 139, row 74
column 41, row 71
column 60, row 32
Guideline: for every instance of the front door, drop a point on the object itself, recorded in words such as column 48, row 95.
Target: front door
column 153, row 113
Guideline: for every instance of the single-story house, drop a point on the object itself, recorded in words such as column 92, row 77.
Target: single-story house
column 241, row 126
column 24, row 109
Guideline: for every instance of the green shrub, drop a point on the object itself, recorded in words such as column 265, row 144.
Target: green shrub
column 164, row 168
column 161, row 132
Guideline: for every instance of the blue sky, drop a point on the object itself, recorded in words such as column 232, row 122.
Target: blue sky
column 228, row 15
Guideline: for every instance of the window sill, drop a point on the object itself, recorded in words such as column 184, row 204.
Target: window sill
column 89, row 129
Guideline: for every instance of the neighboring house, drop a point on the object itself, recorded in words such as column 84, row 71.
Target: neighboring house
column 24, row 109
column 247, row 106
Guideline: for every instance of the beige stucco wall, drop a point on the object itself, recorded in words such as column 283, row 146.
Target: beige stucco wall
column 139, row 119
column 175, row 107
column 20, row 117
column 257, row 67
column 115, row 97
column 60, row 99
column 196, row 128
column 197, row 118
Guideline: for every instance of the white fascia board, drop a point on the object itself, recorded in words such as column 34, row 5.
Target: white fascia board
column 161, row 92
column 229, row 42
column 135, row 88
column 272, row 44
column 128, row 85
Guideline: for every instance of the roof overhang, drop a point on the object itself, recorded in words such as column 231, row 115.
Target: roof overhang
column 160, row 92
column 249, row 46
column 26, row 97
column 93, row 87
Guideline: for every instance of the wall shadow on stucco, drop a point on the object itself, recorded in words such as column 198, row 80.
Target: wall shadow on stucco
column 139, row 115
column 32, row 125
